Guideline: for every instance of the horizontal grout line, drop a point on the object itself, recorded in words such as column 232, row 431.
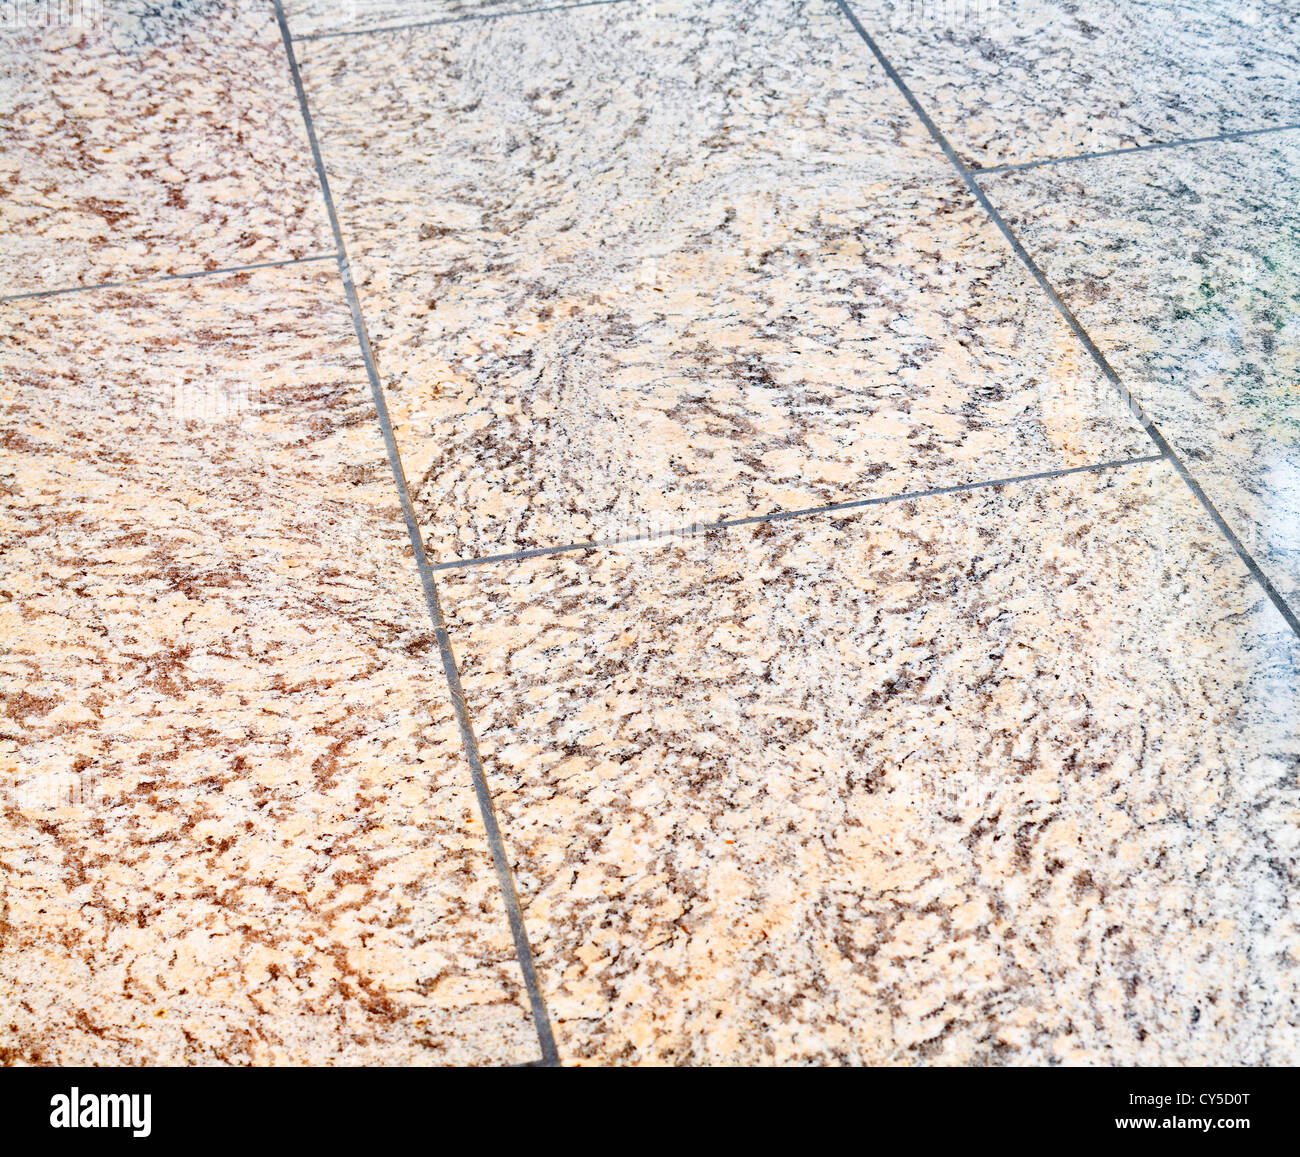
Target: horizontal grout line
column 1135, row 149
column 168, row 277
column 783, row 515
column 452, row 20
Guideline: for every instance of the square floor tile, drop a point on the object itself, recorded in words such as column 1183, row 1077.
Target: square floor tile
column 1007, row 776
column 238, row 825
column 632, row 268
column 1184, row 266
column 151, row 139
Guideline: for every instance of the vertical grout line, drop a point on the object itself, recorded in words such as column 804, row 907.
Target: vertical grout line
column 505, row 878
column 1166, row 450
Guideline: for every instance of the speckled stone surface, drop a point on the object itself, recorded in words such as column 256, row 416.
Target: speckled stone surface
column 1185, row 267
column 628, row 269
column 325, row 17
column 1008, row 776
column 154, row 139
column 1011, row 81
column 237, row 825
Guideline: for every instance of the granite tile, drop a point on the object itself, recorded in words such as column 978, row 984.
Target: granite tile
column 326, row 17
column 1011, row 81
column 1185, row 268
column 151, row 139
column 238, row 825
column 1007, row 776
column 631, row 268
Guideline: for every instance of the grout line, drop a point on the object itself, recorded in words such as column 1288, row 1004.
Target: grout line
column 784, row 515
column 980, row 172
column 1067, row 314
column 510, row 897
column 168, row 277
column 454, row 20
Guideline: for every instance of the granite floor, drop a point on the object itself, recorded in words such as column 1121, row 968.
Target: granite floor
column 650, row 532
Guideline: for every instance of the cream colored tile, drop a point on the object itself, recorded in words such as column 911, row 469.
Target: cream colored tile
column 151, row 139
column 238, row 825
column 629, row 268
column 1004, row 777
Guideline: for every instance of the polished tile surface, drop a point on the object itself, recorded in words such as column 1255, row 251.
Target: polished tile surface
column 1001, row 776
column 1021, row 80
column 238, row 824
column 1185, row 267
column 997, row 761
column 331, row 17
column 628, row 269
column 153, row 139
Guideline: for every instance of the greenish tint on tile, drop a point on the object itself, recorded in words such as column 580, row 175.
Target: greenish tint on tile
column 1184, row 266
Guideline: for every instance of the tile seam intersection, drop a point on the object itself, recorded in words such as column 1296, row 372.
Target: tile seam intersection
column 1162, row 444
column 1154, row 146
